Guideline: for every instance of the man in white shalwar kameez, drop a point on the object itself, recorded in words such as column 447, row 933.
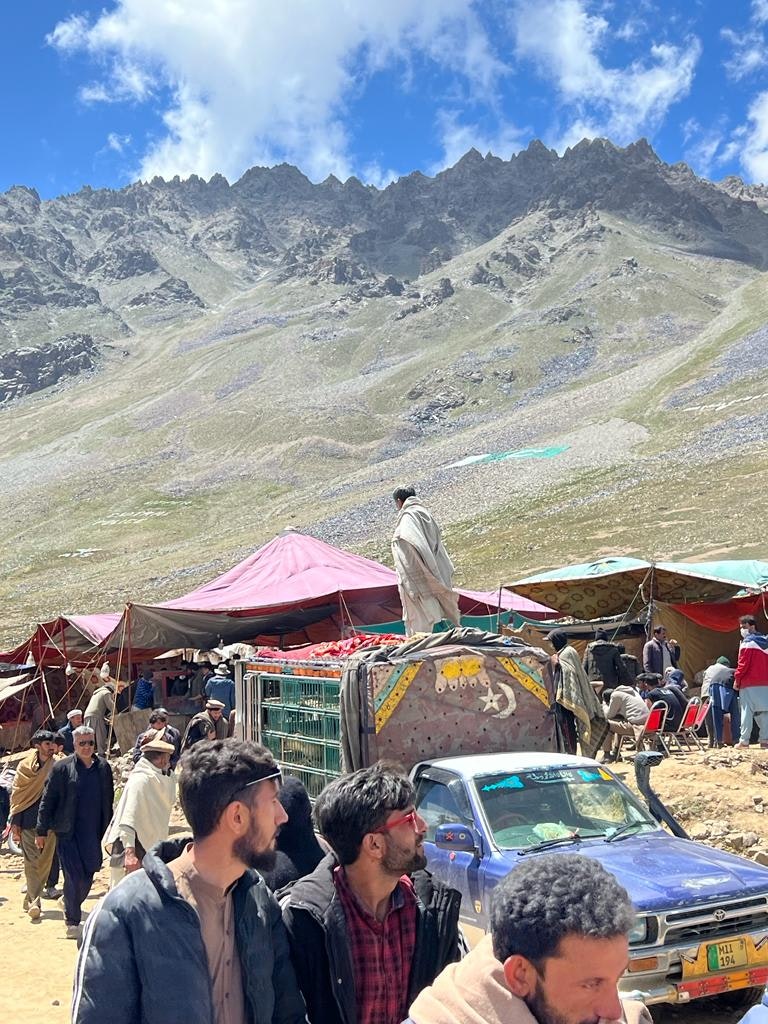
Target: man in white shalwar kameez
column 424, row 570
column 143, row 813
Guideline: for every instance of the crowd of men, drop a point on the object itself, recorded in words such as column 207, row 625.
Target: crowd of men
column 267, row 915
column 604, row 696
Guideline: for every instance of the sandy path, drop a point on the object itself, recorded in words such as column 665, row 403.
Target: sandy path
column 38, row 961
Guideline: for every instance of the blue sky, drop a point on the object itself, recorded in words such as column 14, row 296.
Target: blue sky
column 106, row 93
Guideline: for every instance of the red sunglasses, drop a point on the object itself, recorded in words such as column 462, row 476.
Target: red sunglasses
column 410, row 817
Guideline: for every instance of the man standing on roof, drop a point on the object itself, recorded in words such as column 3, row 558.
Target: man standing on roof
column 221, row 686
column 29, row 782
column 751, row 680
column 424, row 570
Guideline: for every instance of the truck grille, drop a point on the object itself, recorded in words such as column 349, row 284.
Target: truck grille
column 715, row 920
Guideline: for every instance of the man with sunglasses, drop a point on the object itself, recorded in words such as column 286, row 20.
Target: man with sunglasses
column 195, row 936
column 77, row 806
column 369, row 928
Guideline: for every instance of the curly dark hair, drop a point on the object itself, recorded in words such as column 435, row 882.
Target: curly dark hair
column 213, row 774
column 549, row 897
column 356, row 804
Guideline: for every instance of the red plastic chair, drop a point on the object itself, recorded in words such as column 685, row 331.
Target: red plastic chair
column 687, row 723
column 693, row 732
column 654, row 727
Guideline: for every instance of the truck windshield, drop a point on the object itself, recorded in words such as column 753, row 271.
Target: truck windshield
column 524, row 808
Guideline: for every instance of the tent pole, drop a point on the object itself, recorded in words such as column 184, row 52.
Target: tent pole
column 498, row 611
column 128, row 643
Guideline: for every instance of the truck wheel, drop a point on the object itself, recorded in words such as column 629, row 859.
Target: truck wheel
column 741, row 999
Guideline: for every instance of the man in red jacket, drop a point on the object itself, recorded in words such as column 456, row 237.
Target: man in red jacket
column 751, row 680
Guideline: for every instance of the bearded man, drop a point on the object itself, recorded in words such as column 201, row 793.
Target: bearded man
column 558, row 946
column 28, row 785
column 196, row 935
column 365, row 936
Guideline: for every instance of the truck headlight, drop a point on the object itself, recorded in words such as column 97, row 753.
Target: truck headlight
column 639, row 932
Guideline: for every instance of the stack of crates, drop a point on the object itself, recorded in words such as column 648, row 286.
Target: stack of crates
column 300, row 723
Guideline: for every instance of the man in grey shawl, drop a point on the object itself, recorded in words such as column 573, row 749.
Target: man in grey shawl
column 578, row 711
column 424, row 570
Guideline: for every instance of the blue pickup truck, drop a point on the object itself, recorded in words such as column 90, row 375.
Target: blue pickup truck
column 702, row 915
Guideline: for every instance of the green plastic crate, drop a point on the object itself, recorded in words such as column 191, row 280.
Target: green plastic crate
column 309, row 692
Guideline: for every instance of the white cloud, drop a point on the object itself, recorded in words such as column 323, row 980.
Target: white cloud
column 750, row 50
column 457, row 137
column 564, row 40
column 117, row 143
column 754, row 140
column 705, row 148
column 251, row 81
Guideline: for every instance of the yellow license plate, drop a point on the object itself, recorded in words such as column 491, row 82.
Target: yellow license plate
column 722, row 956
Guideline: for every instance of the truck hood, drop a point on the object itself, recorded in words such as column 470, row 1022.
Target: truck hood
column 658, row 868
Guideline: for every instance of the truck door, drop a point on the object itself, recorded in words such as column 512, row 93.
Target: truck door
column 441, row 799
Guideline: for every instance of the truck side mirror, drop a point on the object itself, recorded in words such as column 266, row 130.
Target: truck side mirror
column 457, row 838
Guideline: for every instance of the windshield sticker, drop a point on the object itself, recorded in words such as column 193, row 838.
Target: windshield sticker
column 546, row 776
column 551, row 775
column 513, row 782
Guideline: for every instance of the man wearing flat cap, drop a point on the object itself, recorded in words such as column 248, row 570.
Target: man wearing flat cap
column 197, row 935
column 143, row 813
column 74, row 719
column 208, row 724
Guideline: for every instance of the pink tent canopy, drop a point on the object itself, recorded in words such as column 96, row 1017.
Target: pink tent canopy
column 295, row 588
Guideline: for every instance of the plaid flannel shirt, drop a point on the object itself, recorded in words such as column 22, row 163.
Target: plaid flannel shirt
column 381, row 952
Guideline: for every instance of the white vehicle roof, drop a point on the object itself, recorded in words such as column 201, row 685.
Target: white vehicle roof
column 483, row 764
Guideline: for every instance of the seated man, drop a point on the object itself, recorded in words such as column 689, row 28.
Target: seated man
column 653, row 689
column 558, row 946
column 627, row 713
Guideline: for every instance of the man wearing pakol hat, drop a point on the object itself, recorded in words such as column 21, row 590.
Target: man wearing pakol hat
column 74, row 719
column 28, row 785
column 221, row 686
column 196, row 936
column 159, row 730
column 206, row 725
column 143, row 813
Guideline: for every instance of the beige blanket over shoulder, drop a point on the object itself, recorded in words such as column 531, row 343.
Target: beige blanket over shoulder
column 424, row 570
column 144, row 806
column 473, row 991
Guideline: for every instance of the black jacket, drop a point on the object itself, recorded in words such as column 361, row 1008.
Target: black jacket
column 602, row 661
column 66, row 732
column 317, row 933
column 59, row 801
column 143, row 960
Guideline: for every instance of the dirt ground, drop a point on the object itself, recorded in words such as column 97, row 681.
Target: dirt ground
column 719, row 793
